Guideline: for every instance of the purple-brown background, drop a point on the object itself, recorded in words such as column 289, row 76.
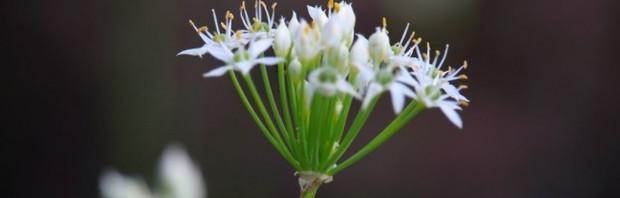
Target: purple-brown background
column 96, row 84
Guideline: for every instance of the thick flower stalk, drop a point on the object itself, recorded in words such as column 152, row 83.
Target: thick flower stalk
column 322, row 68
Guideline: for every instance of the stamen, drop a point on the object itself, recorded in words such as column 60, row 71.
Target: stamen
column 242, row 5
column 215, row 21
column 229, row 15
column 464, row 64
column 330, row 4
column 238, row 34
column 463, row 77
column 274, row 5
column 463, row 103
column 202, row 29
column 337, row 7
column 463, row 87
column 384, row 21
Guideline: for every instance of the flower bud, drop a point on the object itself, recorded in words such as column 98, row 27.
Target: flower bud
column 294, row 68
column 282, row 41
column 332, row 33
column 379, row 46
column 347, row 17
column 306, row 45
column 293, row 24
column 318, row 15
column 359, row 52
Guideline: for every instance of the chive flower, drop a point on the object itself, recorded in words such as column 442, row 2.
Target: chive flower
column 322, row 69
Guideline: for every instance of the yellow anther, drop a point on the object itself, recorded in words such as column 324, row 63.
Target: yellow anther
column 465, row 64
column 330, row 4
column 229, row 15
column 464, row 103
column 384, row 21
column 238, row 34
column 437, row 52
column 274, row 5
column 337, row 7
column 192, row 23
column 463, row 87
column 242, row 5
column 262, row 3
column 463, row 77
column 202, row 29
column 418, row 41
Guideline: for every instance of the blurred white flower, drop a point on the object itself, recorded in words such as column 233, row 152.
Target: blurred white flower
column 283, row 41
column 433, row 88
column 115, row 185
column 242, row 60
column 178, row 175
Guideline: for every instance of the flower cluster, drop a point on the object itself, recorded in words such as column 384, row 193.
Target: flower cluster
column 322, row 65
column 179, row 177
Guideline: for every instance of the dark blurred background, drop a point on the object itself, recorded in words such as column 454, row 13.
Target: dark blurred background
column 96, row 84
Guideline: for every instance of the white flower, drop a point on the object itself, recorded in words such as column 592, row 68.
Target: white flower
column 333, row 32
column 282, row 42
column 180, row 177
column 200, row 51
column 359, row 52
column 243, row 60
column 259, row 26
column 307, row 45
column 432, row 85
column 379, row 46
column 293, row 24
column 384, row 79
column 327, row 81
column 115, row 185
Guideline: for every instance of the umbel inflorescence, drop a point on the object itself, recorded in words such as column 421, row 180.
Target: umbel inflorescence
column 322, row 67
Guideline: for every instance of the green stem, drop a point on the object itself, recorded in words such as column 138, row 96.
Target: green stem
column 270, row 125
column 409, row 113
column 261, row 126
column 310, row 192
column 355, row 128
column 274, row 108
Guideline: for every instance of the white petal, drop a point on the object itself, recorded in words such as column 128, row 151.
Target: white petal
column 403, row 89
column 258, row 47
column 452, row 115
column 221, row 53
column 453, row 92
column 219, row 71
column 404, row 77
column 194, row 51
column 373, row 91
column 245, row 66
column 398, row 99
column 269, row 60
column 317, row 15
column 344, row 86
